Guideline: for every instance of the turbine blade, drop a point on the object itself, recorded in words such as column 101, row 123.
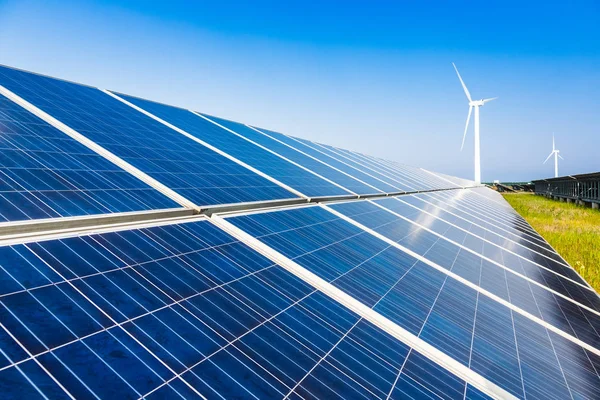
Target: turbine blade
column 550, row 155
column 553, row 142
column 466, row 127
column 488, row 100
column 462, row 83
column 561, row 157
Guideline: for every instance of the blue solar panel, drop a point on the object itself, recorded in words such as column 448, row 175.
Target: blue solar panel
column 192, row 170
column 399, row 173
column 378, row 183
column 529, row 262
column 525, row 248
column 511, row 234
column 532, row 298
column 183, row 310
column 268, row 163
column 419, row 179
column 46, row 174
column 345, row 180
column 509, row 349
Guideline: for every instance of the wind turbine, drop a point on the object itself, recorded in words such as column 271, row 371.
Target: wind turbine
column 556, row 156
column 473, row 104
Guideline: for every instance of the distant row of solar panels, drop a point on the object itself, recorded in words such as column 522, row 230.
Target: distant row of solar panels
column 205, row 160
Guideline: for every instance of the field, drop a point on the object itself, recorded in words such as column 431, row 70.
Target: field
column 572, row 230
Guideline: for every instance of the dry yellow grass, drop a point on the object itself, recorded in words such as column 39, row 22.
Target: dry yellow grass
column 574, row 231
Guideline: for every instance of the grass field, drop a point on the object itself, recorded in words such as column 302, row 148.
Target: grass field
column 572, row 230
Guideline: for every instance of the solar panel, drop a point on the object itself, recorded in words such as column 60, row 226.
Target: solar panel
column 184, row 310
column 308, row 275
column 194, row 171
column 46, row 174
column 523, row 357
column 574, row 317
column 342, row 178
column 294, row 176
column 374, row 181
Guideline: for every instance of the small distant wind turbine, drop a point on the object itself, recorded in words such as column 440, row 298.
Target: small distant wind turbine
column 473, row 104
column 556, row 156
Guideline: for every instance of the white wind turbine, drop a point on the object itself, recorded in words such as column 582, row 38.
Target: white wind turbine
column 556, row 156
column 473, row 104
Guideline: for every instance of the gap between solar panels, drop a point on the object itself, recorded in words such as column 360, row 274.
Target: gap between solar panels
column 20, row 231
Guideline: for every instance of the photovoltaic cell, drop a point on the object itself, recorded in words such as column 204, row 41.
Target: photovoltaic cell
column 507, row 348
column 189, row 168
column 46, row 174
column 182, row 311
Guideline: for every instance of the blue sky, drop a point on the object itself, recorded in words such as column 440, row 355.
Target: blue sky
column 369, row 76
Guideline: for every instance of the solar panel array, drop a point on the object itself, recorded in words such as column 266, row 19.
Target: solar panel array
column 305, row 271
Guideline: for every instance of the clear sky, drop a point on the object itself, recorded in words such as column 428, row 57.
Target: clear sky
column 372, row 76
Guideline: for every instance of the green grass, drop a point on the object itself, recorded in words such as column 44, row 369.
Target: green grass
column 574, row 231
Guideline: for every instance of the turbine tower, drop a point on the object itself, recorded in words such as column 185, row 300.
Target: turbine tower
column 556, row 156
column 473, row 104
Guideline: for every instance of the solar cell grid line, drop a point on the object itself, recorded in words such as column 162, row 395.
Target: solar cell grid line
column 487, row 205
column 331, row 154
column 493, row 196
column 345, row 156
column 515, row 236
column 46, row 174
column 440, row 183
column 415, row 182
column 494, row 240
column 426, row 181
column 548, row 305
column 348, row 163
column 372, row 181
column 512, row 220
column 571, row 317
column 439, row 214
column 540, row 376
column 142, row 324
column 503, row 239
column 586, row 358
column 406, row 182
column 180, row 164
column 273, row 142
column 491, row 217
column 578, row 320
column 95, row 147
column 422, row 182
column 365, row 163
column 450, row 179
column 293, row 177
column 307, row 274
